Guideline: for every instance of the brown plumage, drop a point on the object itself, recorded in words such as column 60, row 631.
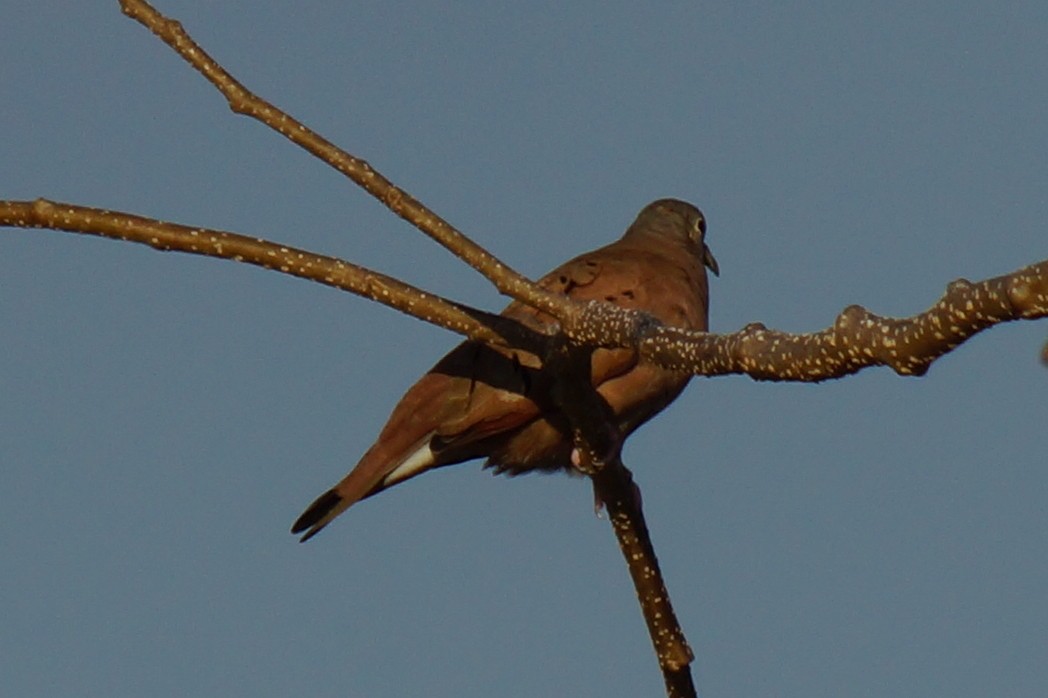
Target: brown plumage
column 483, row 402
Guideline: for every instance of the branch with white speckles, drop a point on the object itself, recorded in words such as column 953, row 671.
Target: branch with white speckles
column 858, row 338
column 243, row 101
column 614, row 486
column 330, row 271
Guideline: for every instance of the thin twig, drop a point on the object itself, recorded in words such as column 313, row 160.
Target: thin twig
column 330, row 271
column 243, row 101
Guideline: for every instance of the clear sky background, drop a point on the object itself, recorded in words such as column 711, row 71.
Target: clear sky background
column 164, row 418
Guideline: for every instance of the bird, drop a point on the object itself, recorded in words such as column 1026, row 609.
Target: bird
column 481, row 401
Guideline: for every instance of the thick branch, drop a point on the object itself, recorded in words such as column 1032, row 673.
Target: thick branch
column 614, row 487
column 243, row 101
column 858, row 338
column 330, row 271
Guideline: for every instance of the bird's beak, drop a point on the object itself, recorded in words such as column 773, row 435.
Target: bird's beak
column 709, row 261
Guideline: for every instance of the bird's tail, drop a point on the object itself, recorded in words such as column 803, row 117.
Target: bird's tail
column 320, row 513
column 374, row 473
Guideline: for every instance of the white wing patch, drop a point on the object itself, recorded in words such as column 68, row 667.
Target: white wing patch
column 418, row 461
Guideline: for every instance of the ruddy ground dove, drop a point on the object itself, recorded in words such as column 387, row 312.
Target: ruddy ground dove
column 493, row 403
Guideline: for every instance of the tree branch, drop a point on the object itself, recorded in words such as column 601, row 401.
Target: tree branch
column 330, row 271
column 243, row 101
column 858, row 338
column 614, row 486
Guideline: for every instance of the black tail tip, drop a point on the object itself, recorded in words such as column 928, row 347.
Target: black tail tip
column 316, row 511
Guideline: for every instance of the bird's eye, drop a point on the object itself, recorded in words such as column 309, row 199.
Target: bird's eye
column 698, row 227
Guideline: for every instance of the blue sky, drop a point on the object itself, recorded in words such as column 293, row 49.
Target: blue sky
column 165, row 418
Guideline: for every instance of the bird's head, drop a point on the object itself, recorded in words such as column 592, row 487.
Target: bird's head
column 676, row 220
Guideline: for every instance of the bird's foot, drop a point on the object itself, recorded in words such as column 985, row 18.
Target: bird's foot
column 590, row 459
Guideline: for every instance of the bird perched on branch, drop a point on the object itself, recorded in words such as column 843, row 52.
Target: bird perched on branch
column 486, row 402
